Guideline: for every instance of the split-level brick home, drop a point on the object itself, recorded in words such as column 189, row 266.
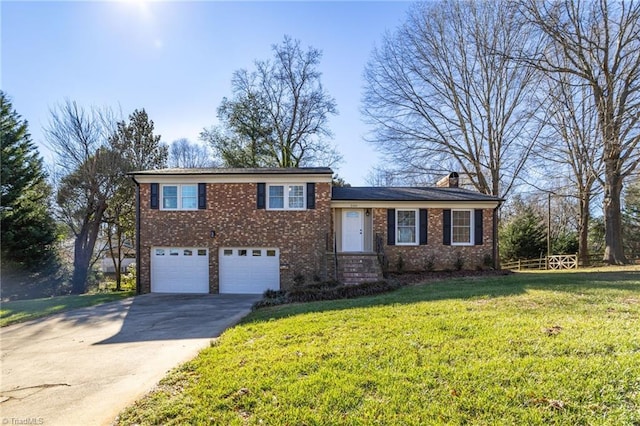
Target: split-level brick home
column 247, row 230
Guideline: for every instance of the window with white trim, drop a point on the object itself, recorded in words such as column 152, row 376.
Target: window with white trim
column 179, row 197
column 407, row 227
column 462, row 227
column 286, row 197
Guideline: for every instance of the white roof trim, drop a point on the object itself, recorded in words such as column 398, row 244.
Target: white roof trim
column 253, row 178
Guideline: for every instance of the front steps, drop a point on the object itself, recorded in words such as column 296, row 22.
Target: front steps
column 357, row 268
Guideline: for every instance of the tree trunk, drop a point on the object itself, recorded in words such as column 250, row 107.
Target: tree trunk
column 583, row 230
column 84, row 245
column 614, row 251
column 81, row 261
column 118, row 274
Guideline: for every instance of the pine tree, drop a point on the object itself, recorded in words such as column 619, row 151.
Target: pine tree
column 140, row 149
column 524, row 236
column 28, row 230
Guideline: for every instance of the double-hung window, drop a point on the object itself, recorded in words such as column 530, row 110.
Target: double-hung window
column 462, row 227
column 286, row 197
column 406, row 227
column 179, row 197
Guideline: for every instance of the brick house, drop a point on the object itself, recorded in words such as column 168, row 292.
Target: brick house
column 248, row 230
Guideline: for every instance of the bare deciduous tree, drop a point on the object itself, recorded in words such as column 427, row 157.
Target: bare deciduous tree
column 598, row 43
column 79, row 139
column 437, row 90
column 279, row 113
column 572, row 146
column 188, row 155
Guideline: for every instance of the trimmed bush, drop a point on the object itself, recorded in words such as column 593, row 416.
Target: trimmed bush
column 327, row 290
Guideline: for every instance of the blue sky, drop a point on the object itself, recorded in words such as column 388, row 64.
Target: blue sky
column 176, row 59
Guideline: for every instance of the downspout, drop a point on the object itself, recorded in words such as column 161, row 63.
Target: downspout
column 496, row 253
column 138, row 286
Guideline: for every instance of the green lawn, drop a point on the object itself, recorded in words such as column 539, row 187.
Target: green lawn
column 24, row 310
column 530, row 348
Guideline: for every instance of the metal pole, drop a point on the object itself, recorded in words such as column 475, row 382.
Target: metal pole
column 548, row 226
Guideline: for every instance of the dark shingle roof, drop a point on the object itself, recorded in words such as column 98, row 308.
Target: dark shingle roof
column 238, row 171
column 408, row 194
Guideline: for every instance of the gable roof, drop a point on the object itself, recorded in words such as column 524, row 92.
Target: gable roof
column 236, row 171
column 408, row 194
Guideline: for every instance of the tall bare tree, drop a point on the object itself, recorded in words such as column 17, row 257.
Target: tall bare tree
column 185, row 154
column 78, row 137
column 437, row 90
column 598, row 42
column 572, row 147
column 279, row 113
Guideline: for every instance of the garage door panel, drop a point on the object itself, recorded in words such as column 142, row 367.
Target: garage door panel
column 249, row 270
column 179, row 270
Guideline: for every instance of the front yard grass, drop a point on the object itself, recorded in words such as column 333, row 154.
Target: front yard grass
column 24, row 310
column 529, row 348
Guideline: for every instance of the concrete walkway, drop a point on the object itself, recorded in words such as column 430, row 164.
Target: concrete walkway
column 84, row 366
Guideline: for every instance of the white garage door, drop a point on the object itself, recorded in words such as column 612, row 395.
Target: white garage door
column 179, row 270
column 249, row 270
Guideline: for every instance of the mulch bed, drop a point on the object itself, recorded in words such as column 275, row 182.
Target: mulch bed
column 410, row 278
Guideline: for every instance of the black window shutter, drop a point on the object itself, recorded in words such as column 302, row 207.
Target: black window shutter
column 202, row 196
column 311, row 195
column 446, row 227
column 391, row 227
column 154, row 203
column 262, row 189
column 423, row 226
column 477, row 225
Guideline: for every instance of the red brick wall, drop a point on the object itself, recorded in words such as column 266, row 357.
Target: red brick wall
column 231, row 212
column 415, row 257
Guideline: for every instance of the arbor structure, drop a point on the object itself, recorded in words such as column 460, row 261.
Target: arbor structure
column 278, row 115
column 139, row 149
column 598, row 43
column 91, row 173
column 437, row 90
column 28, row 229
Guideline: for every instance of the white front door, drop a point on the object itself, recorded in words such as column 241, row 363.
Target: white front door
column 352, row 232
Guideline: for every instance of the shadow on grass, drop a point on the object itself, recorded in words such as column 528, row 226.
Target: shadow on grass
column 467, row 288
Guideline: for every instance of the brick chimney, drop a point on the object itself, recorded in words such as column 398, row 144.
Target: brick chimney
column 449, row 181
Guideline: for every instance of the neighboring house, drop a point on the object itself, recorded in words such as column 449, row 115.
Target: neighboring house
column 248, row 230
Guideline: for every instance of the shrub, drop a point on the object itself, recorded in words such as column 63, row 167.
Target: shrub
column 458, row 264
column 400, row 263
column 328, row 290
column 430, row 263
column 128, row 279
column 299, row 279
column 273, row 294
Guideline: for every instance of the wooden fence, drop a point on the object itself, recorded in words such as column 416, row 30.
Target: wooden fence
column 562, row 261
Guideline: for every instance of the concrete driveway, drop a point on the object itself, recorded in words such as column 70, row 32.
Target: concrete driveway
column 84, row 366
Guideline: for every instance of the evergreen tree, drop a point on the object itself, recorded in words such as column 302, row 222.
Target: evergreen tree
column 524, row 236
column 139, row 149
column 28, row 230
column 631, row 219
